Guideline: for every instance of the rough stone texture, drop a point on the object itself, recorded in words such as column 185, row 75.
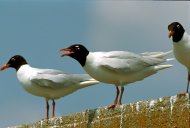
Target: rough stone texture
column 166, row 112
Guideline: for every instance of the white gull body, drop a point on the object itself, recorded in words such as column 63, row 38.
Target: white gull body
column 121, row 68
column 181, row 47
column 117, row 67
column 48, row 83
column 181, row 50
column 51, row 84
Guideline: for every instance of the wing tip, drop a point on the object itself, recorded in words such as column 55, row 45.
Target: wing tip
column 89, row 82
column 170, row 59
column 161, row 67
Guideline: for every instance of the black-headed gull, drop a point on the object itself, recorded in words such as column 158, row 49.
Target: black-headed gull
column 181, row 46
column 117, row 67
column 49, row 83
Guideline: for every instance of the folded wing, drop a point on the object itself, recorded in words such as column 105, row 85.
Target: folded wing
column 127, row 62
column 55, row 79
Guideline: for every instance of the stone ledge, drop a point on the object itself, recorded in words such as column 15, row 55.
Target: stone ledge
column 164, row 112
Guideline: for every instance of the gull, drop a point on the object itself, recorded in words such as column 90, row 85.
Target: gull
column 48, row 83
column 181, row 46
column 117, row 67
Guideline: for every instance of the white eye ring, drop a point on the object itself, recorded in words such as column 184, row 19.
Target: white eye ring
column 77, row 47
column 178, row 26
column 13, row 59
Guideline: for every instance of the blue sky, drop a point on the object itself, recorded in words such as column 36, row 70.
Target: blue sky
column 37, row 29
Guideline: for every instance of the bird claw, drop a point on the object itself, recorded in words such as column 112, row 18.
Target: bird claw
column 119, row 103
column 112, row 106
column 181, row 94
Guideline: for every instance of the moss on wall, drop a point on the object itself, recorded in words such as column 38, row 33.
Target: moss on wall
column 165, row 112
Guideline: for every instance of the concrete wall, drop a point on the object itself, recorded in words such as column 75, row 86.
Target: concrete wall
column 165, row 112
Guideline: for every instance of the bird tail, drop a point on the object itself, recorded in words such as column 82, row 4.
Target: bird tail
column 161, row 67
column 170, row 59
column 159, row 55
column 89, row 83
column 83, row 80
column 87, row 80
column 154, row 69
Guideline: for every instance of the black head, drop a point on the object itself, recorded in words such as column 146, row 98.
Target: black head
column 176, row 30
column 78, row 52
column 15, row 62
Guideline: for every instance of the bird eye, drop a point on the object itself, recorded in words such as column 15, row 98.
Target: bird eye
column 13, row 59
column 77, row 47
column 178, row 26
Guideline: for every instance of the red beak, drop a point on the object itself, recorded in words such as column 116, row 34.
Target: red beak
column 170, row 33
column 4, row 67
column 68, row 53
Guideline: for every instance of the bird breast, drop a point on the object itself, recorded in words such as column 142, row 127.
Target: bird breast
column 182, row 52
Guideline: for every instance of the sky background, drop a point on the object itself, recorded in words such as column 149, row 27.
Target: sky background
column 37, row 29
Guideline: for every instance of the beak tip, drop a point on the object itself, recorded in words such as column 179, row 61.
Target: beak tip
column 66, row 54
column 170, row 34
column 4, row 67
column 64, row 49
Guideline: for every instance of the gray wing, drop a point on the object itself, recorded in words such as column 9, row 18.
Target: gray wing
column 55, row 79
column 125, row 62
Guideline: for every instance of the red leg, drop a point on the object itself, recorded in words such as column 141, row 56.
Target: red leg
column 47, row 109
column 120, row 99
column 188, row 80
column 188, row 83
column 53, row 110
column 116, row 98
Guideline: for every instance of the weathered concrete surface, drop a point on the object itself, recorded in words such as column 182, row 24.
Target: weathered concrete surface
column 166, row 112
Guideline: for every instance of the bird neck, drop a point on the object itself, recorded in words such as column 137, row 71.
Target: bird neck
column 177, row 37
column 17, row 67
column 184, row 39
column 81, row 58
